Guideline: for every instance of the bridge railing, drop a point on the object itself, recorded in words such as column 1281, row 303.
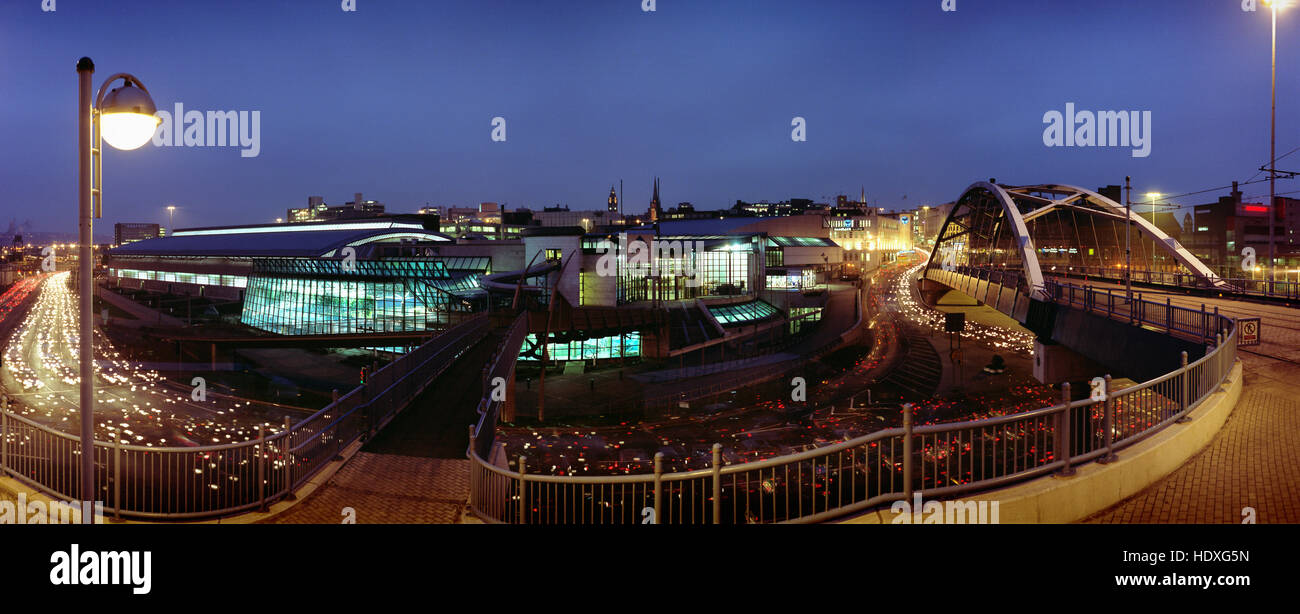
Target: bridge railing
column 501, row 366
column 1285, row 289
column 199, row 482
column 887, row 465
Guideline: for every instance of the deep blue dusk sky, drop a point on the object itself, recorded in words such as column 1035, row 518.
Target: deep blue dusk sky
column 396, row 99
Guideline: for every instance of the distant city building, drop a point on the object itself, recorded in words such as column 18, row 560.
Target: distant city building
column 587, row 220
column 317, row 211
column 1221, row 232
column 127, row 232
column 794, row 206
column 613, row 201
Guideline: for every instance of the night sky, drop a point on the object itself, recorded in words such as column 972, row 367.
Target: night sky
column 396, row 100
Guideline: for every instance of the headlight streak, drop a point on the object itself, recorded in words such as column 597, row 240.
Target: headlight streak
column 135, row 406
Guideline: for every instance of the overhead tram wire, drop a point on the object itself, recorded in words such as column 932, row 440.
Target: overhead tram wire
column 1240, row 183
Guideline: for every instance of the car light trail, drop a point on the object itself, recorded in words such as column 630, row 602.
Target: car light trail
column 135, row 406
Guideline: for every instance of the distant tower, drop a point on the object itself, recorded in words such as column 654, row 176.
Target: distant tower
column 654, row 204
column 613, row 200
column 863, row 199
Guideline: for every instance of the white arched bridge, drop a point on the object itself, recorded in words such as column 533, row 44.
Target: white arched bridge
column 1000, row 243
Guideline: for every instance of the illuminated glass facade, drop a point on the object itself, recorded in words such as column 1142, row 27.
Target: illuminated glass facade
column 312, row 297
column 717, row 272
column 792, row 280
column 602, row 348
column 229, row 281
column 802, row 321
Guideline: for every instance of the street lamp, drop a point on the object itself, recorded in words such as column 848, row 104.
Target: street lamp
column 125, row 117
column 1153, row 196
column 171, row 211
column 1276, row 5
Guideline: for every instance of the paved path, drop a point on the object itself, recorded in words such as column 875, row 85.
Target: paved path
column 1254, row 461
column 415, row 471
column 388, row 489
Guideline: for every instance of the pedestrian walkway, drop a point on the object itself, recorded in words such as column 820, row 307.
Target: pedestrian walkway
column 1253, row 462
column 415, row 470
column 388, row 489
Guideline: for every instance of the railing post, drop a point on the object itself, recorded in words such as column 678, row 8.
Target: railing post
column 907, row 451
column 717, row 483
column 523, row 494
column 1205, row 322
column 1169, row 315
column 1110, row 303
column 1184, row 388
column 117, row 479
column 1108, row 424
column 1063, row 431
column 286, row 451
column 659, row 484
column 4, row 433
column 261, row 467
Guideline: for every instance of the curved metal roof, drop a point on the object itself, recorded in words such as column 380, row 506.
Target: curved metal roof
column 294, row 242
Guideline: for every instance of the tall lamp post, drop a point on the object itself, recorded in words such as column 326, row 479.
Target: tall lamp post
column 125, row 117
column 1153, row 196
column 1276, row 5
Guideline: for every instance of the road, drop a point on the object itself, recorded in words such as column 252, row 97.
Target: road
column 135, row 406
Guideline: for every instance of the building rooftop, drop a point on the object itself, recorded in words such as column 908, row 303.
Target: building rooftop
column 279, row 240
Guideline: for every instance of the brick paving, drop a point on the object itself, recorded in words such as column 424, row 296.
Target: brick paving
column 388, row 489
column 1254, row 461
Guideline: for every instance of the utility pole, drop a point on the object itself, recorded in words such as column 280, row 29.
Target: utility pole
column 1272, row 160
column 1128, row 222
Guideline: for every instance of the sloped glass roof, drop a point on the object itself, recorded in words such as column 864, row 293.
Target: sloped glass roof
column 743, row 313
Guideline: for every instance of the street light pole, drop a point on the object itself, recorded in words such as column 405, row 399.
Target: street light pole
column 86, row 330
column 1154, row 196
column 1128, row 253
column 1272, row 154
column 126, row 118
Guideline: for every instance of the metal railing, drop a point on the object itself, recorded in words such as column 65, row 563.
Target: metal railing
column 884, row 466
column 1284, row 289
column 207, row 481
column 501, row 365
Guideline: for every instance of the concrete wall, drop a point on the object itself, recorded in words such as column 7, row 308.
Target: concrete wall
column 1137, row 353
column 1095, row 487
column 568, row 246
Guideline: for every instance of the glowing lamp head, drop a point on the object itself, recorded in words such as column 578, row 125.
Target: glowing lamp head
column 127, row 117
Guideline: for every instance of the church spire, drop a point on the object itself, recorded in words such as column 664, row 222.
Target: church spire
column 655, row 209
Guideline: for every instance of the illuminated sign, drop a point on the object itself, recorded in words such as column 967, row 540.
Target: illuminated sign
column 845, row 223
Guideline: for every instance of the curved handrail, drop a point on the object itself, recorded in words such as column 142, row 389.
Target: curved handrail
column 489, row 481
